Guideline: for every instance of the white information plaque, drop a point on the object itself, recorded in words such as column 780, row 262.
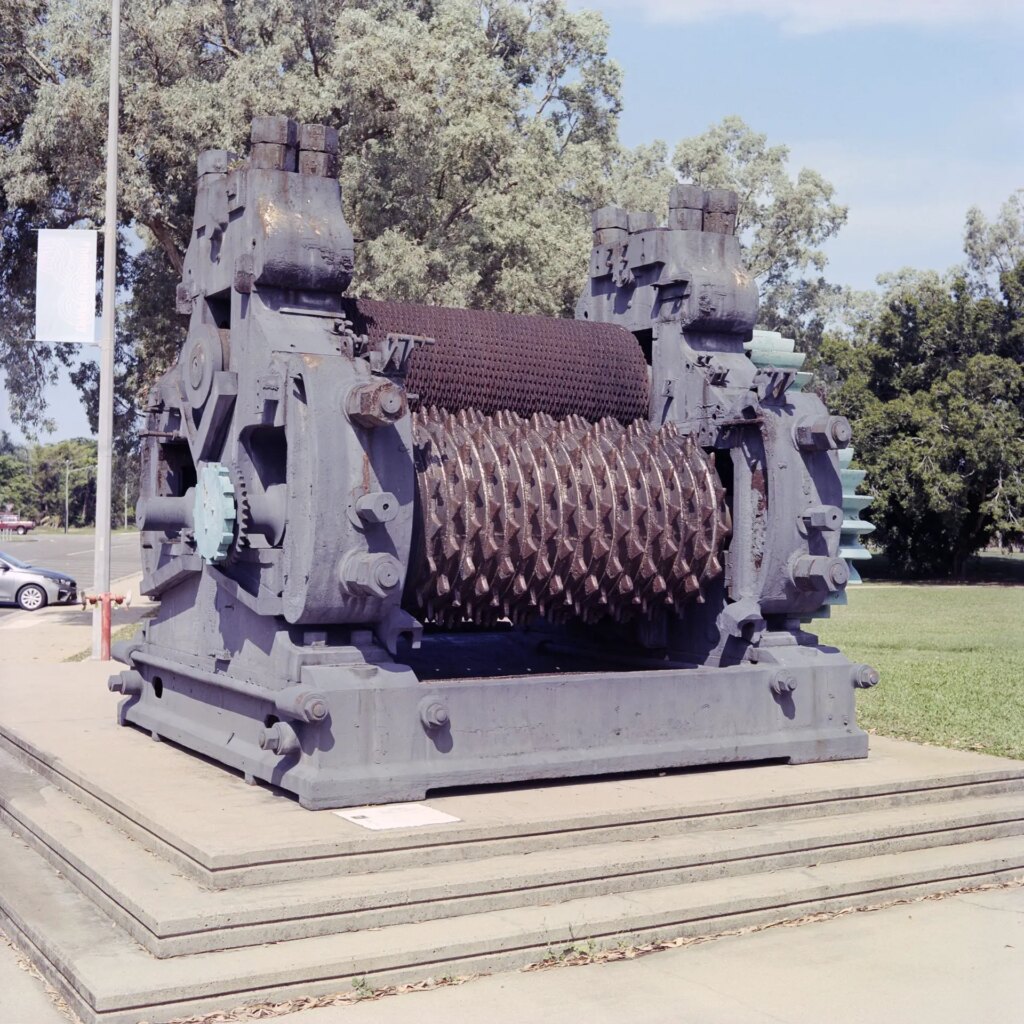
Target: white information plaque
column 395, row 816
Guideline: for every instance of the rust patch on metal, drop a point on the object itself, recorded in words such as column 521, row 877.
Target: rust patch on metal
column 759, row 490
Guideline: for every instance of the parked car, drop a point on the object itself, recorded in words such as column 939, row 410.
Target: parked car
column 16, row 524
column 31, row 587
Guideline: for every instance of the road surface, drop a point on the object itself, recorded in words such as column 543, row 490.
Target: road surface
column 72, row 553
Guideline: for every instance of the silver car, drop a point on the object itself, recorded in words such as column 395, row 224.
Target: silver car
column 33, row 588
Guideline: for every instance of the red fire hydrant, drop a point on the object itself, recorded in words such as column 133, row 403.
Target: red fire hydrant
column 105, row 601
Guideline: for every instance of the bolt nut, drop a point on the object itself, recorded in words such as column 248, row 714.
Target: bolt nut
column 837, row 574
column 274, row 129
column 376, row 403
column 819, row 572
column 820, row 433
column 783, row 682
column 316, row 710
column 376, row 508
column 864, row 676
column 279, row 738
column 433, row 714
column 822, row 517
column 128, row 682
column 320, row 138
column 840, row 431
column 370, row 575
column 320, row 165
column 720, row 208
column 212, row 161
column 268, row 156
column 686, row 197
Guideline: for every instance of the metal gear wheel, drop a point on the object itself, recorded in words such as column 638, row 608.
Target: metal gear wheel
column 243, row 514
column 214, row 512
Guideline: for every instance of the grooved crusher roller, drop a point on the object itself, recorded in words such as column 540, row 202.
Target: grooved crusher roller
column 497, row 362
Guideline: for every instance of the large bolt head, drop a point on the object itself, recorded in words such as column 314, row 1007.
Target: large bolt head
column 820, row 433
column 212, row 161
column 128, row 682
column 819, row 572
column 783, row 682
column 822, row 517
column 376, row 508
column 840, row 431
column 375, row 403
column 279, row 738
column 274, row 129
column 320, row 138
column 370, row 575
column 387, row 573
column 392, row 402
column 864, row 676
column 433, row 714
column 317, row 710
column 837, row 575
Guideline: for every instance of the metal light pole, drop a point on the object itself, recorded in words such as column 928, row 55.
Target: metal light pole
column 67, row 474
column 101, row 565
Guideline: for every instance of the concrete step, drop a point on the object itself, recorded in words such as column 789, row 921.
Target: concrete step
column 107, row 976
column 172, row 915
column 222, row 833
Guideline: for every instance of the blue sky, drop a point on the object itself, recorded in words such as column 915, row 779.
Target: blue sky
column 914, row 109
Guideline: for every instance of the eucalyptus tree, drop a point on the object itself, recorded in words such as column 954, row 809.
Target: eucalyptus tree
column 475, row 136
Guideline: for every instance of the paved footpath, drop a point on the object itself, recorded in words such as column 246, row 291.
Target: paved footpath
column 49, row 636
column 955, row 960
column 958, row 960
column 24, row 998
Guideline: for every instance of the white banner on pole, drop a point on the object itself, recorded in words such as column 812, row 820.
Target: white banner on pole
column 66, row 286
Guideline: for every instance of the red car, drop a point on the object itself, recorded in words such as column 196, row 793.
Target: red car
column 15, row 524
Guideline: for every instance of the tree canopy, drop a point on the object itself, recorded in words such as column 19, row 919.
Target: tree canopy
column 476, row 136
column 33, row 479
column 936, row 393
column 994, row 248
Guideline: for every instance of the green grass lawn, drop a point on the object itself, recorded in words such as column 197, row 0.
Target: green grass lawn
column 951, row 660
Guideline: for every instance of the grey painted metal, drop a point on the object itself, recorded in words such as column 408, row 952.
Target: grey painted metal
column 294, row 529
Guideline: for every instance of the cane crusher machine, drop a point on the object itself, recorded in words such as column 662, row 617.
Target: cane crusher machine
column 400, row 547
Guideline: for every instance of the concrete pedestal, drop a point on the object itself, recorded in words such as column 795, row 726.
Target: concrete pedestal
column 147, row 883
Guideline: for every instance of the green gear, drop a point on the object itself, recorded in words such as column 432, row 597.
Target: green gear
column 214, row 512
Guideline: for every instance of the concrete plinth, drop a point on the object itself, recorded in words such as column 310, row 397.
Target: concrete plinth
column 147, row 883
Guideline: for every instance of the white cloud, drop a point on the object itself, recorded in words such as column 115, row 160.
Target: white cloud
column 811, row 16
